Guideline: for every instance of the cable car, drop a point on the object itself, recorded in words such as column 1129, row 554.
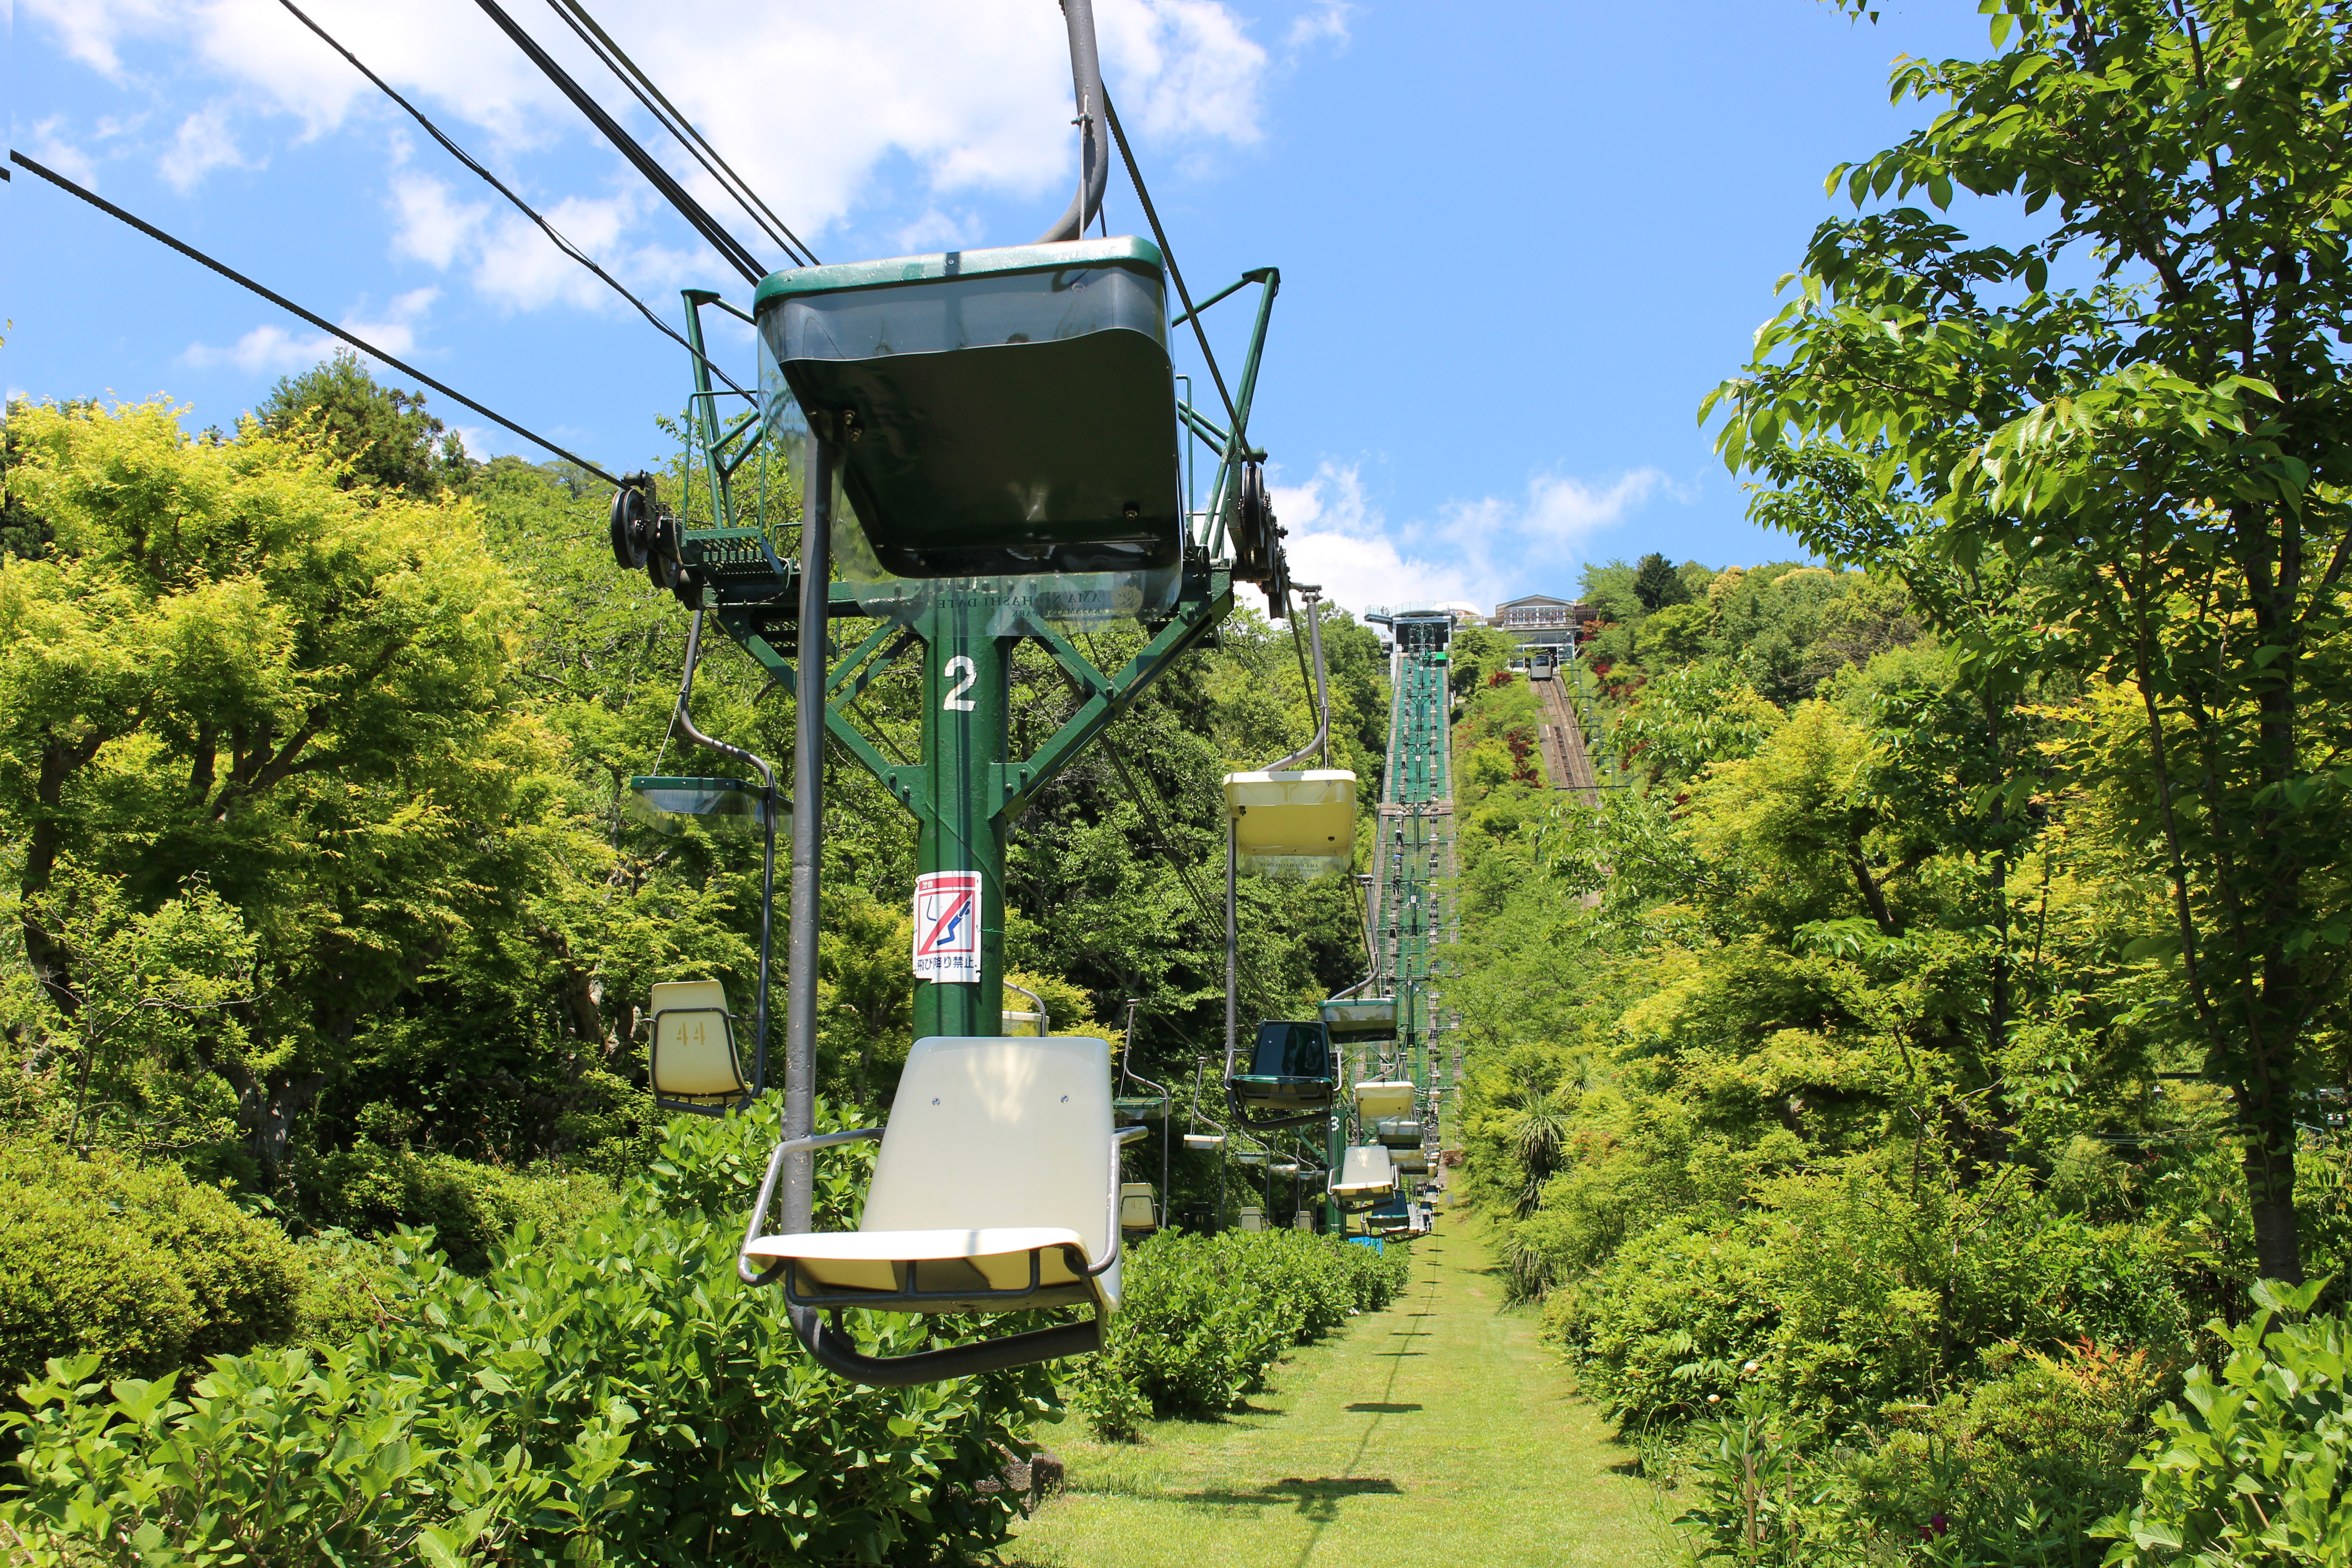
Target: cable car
column 997, row 1189
column 692, row 1059
column 1291, row 1079
column 1005, row 412
column 1347, row 1019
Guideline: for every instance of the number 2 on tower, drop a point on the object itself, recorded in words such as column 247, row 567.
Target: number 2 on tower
column 955, row 701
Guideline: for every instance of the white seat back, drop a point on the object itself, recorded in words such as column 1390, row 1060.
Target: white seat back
column 1364, row 1169
column 694, row 1045
column 1252, row 1219
column 1136, row 1207
column 993, row 1132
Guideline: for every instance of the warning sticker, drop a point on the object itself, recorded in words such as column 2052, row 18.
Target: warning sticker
column 947, row 926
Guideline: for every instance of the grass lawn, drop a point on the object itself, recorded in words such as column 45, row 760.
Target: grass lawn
column 1436, row 1432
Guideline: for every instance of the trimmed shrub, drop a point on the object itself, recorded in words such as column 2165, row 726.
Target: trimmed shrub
column 1205, row 1317
column 141, row 1269
column 370, row 1190
column 621, row 1397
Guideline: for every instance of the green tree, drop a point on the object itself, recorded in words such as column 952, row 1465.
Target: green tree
column 230, row 668
column 2162, row 448
column 1657, row 584
column 385, row 433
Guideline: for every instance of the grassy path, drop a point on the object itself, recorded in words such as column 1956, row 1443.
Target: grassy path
column 1433, row 1432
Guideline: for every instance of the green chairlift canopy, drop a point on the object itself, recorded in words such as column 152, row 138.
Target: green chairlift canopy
column 1354, row 1018
column 667, row 804
column 1290, row 1069
column 1006, row 411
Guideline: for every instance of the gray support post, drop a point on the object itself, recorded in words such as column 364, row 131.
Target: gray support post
column 808, row 830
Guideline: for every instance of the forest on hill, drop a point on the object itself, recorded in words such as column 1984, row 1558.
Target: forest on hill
column 1917, row 1087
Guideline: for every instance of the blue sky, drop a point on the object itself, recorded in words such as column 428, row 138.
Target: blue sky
column 1517, row 242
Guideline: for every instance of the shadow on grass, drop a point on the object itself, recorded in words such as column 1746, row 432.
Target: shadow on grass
column 1372, row 1407
column 1318, row 1499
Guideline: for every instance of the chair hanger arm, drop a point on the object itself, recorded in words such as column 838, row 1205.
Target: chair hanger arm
column 835, row 1351
column 829, row 1140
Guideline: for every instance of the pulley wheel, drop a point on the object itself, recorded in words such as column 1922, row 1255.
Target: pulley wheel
column 631, row 529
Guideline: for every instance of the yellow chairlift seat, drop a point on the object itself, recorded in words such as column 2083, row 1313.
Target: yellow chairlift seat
column 1398, row 1132
column 1138, row 1207
column 1379, row 1098
column 997, row 1187
column 1296, row 824
column 1199, row 1141
column 1411, row 1161
column 692, row 1059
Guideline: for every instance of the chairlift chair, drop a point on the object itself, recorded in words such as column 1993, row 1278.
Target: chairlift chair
column 1138, row 1207
column 1350, row 1019
column 1398, row 1131
column 692, row 1059
column 996, row 1189
column 1291, row 1079
column 1365, row 1175
column 1378, row 1099
column 1253, row 1218
column 1299, row 823
column 1006, row 411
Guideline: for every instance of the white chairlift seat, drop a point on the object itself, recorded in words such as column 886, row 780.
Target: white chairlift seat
column 1411, row 1161
column 1253, row 1218
column 1365, row 1173
column 692, row 1059
column 997, row 1188
column 1300, row 823
column 1378, row 1099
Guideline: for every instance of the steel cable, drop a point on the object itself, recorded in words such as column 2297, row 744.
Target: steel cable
column 283, row 303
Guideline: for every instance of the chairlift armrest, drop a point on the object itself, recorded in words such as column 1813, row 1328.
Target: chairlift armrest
column 1129, row 1134
column 744, row 1269
column 828, row 1140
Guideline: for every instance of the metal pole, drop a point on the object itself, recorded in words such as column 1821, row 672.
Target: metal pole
column 808, row 830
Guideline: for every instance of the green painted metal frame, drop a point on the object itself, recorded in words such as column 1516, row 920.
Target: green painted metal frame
column 966, row 790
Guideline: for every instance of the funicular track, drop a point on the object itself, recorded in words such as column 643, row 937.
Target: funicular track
column 1565, row 754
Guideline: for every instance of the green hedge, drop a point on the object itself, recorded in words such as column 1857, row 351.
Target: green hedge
column 1205, row 1317
column 370, row 1190
column 618, row 1396
column 139, row 1271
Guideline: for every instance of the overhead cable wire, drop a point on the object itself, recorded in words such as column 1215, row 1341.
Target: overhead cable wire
column 1127, row 155
column 283, row 303
column 702, row 223
column 498, row 186
column 617, row 61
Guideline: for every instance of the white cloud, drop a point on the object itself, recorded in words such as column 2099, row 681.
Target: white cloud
column 264, row 350
column 45, row 146
column 1326, row 20
column 434, row 226
column 275, row 350
column 809, row 103
column 1480, row 551
column 203, row 144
